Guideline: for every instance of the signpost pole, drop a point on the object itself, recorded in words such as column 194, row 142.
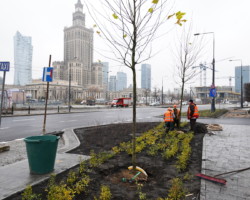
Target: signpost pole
column 2, row 94
column 46, row 103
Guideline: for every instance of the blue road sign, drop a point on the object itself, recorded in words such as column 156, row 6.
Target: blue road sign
column 48, row 74
column 212, row 92
column 4, row 66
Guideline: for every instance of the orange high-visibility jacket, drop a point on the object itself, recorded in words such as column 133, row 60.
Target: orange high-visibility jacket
column 168, row 116
column 195, row 114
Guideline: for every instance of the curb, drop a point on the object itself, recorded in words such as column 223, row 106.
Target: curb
column 70, row 139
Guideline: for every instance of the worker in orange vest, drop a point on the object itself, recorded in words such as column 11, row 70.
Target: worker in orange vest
column 177, row 115
column 192, row 114
column 169, row 120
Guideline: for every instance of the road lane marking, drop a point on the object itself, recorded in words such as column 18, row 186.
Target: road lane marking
column 20, row 120
column 4, row 128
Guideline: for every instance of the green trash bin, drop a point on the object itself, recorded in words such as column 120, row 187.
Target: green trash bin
column 41, row 151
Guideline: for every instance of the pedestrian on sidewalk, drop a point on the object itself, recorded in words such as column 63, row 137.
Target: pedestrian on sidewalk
column 192, row 114
column 169, row 120
column 177, row 115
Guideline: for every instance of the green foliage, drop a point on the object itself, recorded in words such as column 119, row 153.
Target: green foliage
column 187, row 177
column 177, row 191
column 183, row 124
column 71, row 178
column 82, row 167
column 105, row 193
column 216, row 114
column 58, row 192
column 173, row 150
column 186, row 150
column 98, row 159
column 141, row 195
column 29, row 195
column 81, row 185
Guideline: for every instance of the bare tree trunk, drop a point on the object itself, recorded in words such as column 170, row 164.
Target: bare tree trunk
column 134, row 120
column 182, row 91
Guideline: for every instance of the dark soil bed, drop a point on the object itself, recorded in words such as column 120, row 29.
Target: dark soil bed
column 160, row 171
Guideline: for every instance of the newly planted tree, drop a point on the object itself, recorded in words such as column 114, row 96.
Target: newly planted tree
column 188, row 51
column 129, row 28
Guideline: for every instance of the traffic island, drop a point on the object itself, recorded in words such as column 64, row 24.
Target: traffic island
column 171, row 160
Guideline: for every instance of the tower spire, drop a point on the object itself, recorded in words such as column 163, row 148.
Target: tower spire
column 78, row 16
column 78, row 6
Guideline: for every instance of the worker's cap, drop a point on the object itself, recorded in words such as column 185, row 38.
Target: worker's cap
column 175, row 106
column 191, row 101
column 169, row 108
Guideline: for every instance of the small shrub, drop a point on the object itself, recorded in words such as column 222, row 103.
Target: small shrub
column 71, row 178
column 29, row 195
column 141, row 195
column 105, row 193
column 58, row 192
column 81, row 185
column 177, row 190
column 187, row 177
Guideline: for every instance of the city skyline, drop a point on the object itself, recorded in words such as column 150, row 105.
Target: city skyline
column 231, row 41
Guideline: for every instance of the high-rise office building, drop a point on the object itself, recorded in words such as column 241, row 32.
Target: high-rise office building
column 245, row 77
column 112, row 83
column 105, row 74
column 78, row 47
column 23, row 50
column 121, row 81
column 146, row 76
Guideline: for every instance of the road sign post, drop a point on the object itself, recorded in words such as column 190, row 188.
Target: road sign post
column 47, row 77
column 4, row 66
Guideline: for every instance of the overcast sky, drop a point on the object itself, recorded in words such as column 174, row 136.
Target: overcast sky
column 44, row 21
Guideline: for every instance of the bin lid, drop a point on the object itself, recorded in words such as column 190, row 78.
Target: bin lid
column 42, row 138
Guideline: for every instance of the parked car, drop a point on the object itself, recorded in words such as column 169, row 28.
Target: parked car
column 155, row 104
column 245, row 103
column 184, row 103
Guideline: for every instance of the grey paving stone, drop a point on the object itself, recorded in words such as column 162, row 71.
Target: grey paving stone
column 226, row 151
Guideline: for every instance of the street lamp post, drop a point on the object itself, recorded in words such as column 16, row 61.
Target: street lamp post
column 213, row 63
column 75, row 58
column 241, row 82
column 69, row 87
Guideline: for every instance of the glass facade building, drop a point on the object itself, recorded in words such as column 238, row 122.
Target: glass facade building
column 23, row 51
column 146, row 76
column 245, row 76
column 121, row 82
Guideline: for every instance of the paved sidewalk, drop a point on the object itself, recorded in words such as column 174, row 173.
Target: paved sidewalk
column 226, row 151
column 15, row 174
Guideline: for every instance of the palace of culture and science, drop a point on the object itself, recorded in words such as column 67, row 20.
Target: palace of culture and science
column 78, row 63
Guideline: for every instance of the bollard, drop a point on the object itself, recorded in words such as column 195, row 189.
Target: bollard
column 58, row 109
column 12, row 110
column 29, row 110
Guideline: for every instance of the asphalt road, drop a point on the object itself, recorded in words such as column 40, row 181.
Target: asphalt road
column 21, row 127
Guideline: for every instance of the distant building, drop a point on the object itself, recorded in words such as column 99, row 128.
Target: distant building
column 224, row 93
column 97, row 74
column 1, row 80
column 121, row 81
column 23, row 50
column 78, row 47
column 59, row 70
column 146, row 76
column 112, row 83
column 105, row 73
column 245, row 76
